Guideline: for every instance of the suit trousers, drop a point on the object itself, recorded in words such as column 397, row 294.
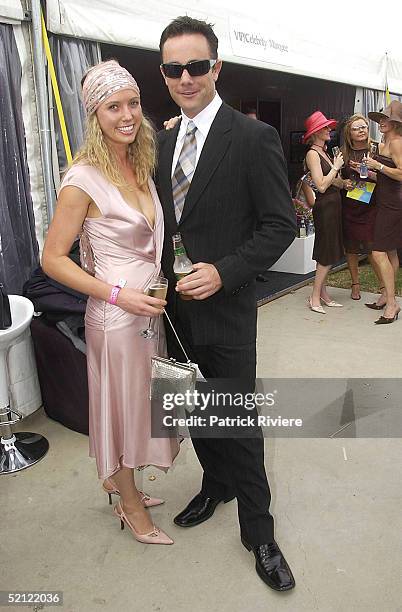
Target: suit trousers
column 233, row 467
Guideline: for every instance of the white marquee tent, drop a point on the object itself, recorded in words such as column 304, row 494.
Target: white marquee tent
column 345, row 46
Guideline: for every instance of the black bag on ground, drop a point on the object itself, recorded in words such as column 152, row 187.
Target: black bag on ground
column 62, row 372
column 62, row 368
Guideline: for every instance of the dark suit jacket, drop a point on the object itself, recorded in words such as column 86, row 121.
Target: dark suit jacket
column 238, row 215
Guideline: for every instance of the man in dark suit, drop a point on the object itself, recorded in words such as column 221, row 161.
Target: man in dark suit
column 223, row 185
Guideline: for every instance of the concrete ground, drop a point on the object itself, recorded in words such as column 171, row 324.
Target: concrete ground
column 337, row 501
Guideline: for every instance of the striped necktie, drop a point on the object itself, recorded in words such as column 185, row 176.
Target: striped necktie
column 184, row 170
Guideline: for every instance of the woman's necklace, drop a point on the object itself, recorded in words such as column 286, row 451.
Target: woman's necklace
column 324, row 153
column 319, row 146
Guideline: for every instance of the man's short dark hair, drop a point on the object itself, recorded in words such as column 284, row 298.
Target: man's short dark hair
column 188, row 25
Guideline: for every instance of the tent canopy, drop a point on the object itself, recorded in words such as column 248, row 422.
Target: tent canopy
column 11, row 11
column 289, row 37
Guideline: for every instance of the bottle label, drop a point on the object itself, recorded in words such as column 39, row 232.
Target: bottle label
column 180, row 275
column 179, row 251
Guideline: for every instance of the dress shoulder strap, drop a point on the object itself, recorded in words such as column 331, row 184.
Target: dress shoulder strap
column 89, row 179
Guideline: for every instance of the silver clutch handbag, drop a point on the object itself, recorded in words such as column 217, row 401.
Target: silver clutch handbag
column 169, row 376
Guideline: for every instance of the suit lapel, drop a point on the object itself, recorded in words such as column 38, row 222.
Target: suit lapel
column 165, row 176
column 215, row 146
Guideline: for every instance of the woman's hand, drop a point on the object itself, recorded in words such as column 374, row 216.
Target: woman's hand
column 338, row 161
column 138, row 303
column 354, row 165
column 348, row 184
column 170, row 123
column 372, row 164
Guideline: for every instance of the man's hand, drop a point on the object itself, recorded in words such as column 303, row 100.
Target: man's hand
column 202, row 283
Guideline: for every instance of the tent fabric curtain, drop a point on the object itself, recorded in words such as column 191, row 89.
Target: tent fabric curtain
column 72, row 58
column 18, row 245
column 372, row 100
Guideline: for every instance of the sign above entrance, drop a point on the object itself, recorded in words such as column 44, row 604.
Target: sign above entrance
column 250, row 40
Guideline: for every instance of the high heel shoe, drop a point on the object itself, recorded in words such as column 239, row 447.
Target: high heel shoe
column 156, row 536
column 386, row 320
column 318, row 309
column 374, row 305
column 351, row 296
column 147, row 500
column 331, row 303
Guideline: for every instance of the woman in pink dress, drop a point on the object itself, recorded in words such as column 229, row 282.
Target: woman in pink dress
column 108, row 196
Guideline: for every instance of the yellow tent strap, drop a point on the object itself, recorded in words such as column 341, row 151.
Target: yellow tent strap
column 56, row 92
column 387, row 94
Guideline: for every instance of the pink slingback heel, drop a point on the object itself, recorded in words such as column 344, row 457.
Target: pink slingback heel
column 146, row 499
column 156, row 536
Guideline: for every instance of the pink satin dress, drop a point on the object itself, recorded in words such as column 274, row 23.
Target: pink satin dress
column 124, row 246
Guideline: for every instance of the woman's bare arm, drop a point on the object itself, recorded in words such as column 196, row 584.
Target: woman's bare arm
column 71, row 211
column 313, row 163
column 395, row 150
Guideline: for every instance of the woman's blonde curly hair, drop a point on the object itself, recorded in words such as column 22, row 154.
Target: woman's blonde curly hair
column 96, row 152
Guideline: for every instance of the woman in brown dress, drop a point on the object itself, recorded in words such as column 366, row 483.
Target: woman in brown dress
column 388, row 224
column 327, row 210
column 357, row 217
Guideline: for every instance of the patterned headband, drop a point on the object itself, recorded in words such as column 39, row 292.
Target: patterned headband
column 102, row 81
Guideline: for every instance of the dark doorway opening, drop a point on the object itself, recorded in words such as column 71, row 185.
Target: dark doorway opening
column 268, row 111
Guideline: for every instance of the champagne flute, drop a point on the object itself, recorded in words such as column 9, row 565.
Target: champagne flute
column 373, row 149
column 157, row 288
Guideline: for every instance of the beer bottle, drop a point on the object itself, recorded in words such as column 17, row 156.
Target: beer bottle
column 182, row 264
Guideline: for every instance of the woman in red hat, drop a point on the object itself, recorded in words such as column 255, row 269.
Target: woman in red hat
column 388, row 224
column 327, row 210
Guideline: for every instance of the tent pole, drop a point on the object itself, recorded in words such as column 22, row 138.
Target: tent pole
column 43, row 107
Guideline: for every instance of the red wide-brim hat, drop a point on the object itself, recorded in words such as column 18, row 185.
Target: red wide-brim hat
column 315, row 123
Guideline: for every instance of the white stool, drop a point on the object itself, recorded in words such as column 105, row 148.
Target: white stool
column 17, row 451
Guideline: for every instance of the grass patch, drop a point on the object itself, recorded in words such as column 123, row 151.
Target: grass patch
column 367, row 278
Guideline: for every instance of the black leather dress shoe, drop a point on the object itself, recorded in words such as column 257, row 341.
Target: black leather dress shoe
column 200, row 509
column 271, row 566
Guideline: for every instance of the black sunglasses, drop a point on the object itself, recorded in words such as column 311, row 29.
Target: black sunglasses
column 195, row 68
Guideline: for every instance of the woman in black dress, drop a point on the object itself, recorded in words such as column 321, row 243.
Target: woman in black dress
column 357, row 217
column 388, row 224
column 327, row 210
